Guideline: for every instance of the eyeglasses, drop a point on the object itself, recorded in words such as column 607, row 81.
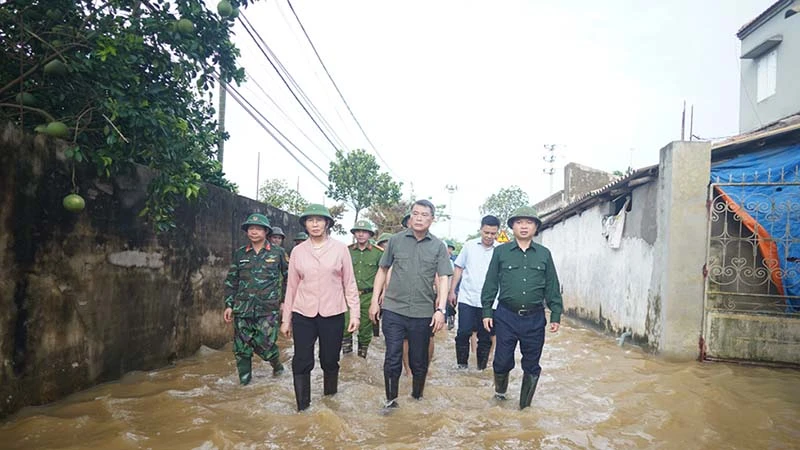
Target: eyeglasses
column 423, row 214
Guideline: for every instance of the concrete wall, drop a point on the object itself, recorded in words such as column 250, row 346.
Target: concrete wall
column 653, row 284
column 579, row 180
column 86, row 297
column 786, row 101
column 605, row 286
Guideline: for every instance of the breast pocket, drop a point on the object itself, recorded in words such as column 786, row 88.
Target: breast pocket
column 428, row 264
column 509, row 272
column 539, row 275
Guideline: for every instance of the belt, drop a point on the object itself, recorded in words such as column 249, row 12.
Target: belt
column 364, row 291
column 524, row 312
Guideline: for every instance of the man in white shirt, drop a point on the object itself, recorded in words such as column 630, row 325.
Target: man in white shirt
column 470, row 269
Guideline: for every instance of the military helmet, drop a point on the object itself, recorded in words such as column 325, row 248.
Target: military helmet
column 363, row 225
column 450, row 244
column 301, row 236
column 315, row 209
column 383, row 237
column 524, row 212
column 404, row 222
column 256, row 219
column 277, row 232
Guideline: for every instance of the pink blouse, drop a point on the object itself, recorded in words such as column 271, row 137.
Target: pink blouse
column 321, row 281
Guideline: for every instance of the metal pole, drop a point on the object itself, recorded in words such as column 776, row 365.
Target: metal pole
column 258, row 174
column 451, row 188
column 221, row 145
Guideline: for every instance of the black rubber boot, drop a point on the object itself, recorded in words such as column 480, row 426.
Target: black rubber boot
column 500, row 385
column 417, row 386
column 277, row 367
column 302, row 391
column 330, row 382
column 347, row 345
column 392, row 386
column 362, row 350
column 483, row 357
column 462, row 356
column 245, row 368
column 529, row 383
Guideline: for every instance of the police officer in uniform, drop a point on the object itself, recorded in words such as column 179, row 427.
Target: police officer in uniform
column 522, row 277
column 365, row 258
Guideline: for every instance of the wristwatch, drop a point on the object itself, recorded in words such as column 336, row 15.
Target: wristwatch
column 440, row 310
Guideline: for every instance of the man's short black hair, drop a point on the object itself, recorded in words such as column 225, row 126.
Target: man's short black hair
column 491, row 221
column 426, row 204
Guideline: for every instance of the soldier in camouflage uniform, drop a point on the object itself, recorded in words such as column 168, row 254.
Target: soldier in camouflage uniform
column 365, row 258
column 253, row 293
column 276, row 237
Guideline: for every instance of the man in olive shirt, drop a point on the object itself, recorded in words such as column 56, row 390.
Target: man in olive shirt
column 365, row 258
column 522, row 277
column 411, row 307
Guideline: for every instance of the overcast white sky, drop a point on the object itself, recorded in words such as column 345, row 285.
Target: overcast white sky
column 468, row 92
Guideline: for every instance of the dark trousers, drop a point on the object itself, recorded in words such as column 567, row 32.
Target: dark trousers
column 470, row 319
column 396, row 328
column 305, row 331
column 510, row 328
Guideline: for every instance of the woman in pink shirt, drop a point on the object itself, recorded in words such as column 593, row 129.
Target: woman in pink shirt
column 319, row 289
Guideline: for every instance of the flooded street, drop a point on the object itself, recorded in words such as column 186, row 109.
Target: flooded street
column 593, row 394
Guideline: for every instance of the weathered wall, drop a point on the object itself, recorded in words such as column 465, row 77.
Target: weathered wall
column 86, row 297
column 605, row 286
column 579, row 180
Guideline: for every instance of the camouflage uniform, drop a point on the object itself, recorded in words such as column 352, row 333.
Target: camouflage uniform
column 365, row 266
column 254, row 289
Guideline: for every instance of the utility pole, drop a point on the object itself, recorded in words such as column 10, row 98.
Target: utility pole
column 222, row 97
column 451, row 188
column 550, row 158
column 258, row 173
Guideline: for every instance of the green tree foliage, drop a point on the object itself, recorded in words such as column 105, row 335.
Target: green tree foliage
column 277, row 193
column 132, row 80
column 504, row 202
column 388, row 218
column 337, row 211
column 355, row 178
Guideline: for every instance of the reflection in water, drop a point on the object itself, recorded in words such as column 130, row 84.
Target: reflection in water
column 592, row 395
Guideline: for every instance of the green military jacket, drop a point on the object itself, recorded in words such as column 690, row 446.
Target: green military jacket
column 522, row 280
column 365, row 265
column 254, row 286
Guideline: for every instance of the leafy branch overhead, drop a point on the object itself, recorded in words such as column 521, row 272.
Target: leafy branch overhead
column 503, row 203
column 355, row 179
column 125, row 81
column 277, row 193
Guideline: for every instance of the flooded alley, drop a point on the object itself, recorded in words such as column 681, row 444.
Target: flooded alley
column 593, row 394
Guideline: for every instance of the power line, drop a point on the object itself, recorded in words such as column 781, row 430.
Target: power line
column 337, row 87
column 246, row 24
column 252, row 111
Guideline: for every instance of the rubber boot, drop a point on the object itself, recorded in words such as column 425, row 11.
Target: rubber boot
column 529, row 383
column 500, row 385
column 302, row 390
column 483, row 357
column 362, row 350
column 392, row 386
column 462, row 356
column 347, row 345
column 245, row 368
column 277, row 367
column 330, row 382
column 417, row 386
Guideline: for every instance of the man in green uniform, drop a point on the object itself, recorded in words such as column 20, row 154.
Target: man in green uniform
column 365, row 258
column 522, row 276
column 253, row 294
column 298, row 238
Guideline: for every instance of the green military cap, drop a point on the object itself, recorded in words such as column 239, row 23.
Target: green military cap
column 277, row 232
column 256, row 219
column 404, row 222
column 450, row 244
column 383, row 237
column 301, row 236
column 315, row 210
column 363, row 225
column 526, row 212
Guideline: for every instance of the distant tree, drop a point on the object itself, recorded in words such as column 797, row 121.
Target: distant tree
column 503, row 203
column 388, row 218
column 337, row 211
column 277, row 193
column 355, row 179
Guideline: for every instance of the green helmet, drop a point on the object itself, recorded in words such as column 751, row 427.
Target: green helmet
column 301, row 236
column 450, row 244
column 404, row 222
column 363, row 225
column 256, row 219
column 383, row 237
column 277, row 232
column 524, row 212
column 315, row 209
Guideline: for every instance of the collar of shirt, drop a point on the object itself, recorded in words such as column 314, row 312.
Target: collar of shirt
column 515, row 245
column 355, row 247
column 250, row 247
column 410, row 233
column 479, row 242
